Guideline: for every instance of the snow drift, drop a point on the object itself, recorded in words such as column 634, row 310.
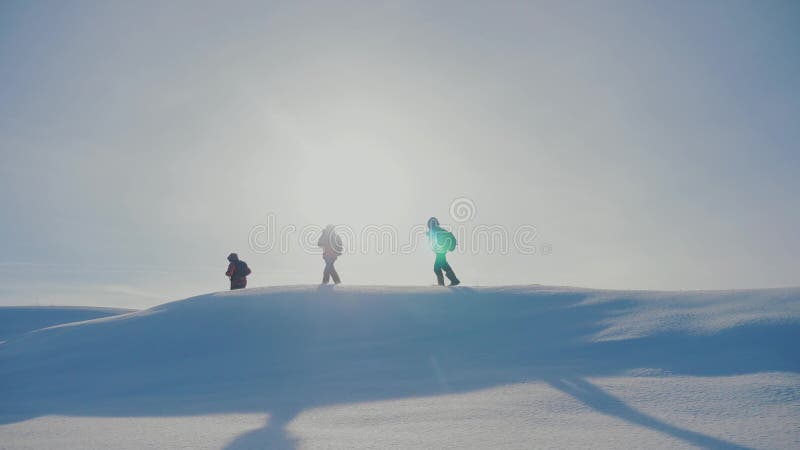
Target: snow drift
column 292, row 353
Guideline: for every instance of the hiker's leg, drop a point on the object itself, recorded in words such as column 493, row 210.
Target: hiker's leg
column 441, row 260
column 334, row 273
column 437, row 268
column 451, row 275
column 238, row 283
column 326, row 274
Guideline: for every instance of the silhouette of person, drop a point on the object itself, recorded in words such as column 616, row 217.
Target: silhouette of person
column 237, row 272
column 441, row 241
column 331, row 245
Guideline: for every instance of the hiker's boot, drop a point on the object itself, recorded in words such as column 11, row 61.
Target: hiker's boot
column 452, row 277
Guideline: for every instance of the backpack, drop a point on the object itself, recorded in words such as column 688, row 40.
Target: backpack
column 337, row 244
column 442, row 241
column 450, row 241
column 241, row 269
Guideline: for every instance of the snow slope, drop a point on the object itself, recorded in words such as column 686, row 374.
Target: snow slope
column 375, row 367
column 16, row 320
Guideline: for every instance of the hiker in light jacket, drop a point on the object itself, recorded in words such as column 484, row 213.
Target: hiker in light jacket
column 331, row 245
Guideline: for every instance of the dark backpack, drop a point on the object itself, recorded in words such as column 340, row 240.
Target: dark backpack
column 241, row 269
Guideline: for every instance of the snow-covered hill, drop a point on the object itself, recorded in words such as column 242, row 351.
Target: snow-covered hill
column 373, row 367
column 16, row 320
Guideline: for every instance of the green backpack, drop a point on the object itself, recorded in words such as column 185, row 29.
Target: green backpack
column 442, row 241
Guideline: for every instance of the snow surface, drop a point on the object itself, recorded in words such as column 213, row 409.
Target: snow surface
column 377, row 367
column 16, row 320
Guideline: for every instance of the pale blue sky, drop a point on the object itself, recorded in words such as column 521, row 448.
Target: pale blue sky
column 654, row 145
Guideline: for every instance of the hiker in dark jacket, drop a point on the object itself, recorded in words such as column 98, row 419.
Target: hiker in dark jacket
column 237, row 272
column 331, row 245
column 442, row 241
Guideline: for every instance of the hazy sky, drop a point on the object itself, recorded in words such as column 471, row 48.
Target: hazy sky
column 653, row 145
